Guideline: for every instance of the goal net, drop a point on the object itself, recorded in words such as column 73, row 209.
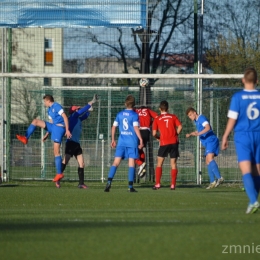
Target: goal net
column 22, row 102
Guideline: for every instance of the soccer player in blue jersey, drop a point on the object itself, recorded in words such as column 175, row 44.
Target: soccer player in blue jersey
column 127, row 148
column 73, row 148
column 211, row 143
column 58, row 126
column 244, row 118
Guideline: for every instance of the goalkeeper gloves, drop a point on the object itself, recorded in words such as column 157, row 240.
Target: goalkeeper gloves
column 95, row 98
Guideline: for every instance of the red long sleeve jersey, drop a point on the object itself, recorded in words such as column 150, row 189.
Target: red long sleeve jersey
column 166, row 124
column 145, row 117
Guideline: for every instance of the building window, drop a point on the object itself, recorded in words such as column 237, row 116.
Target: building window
column 48, row 43
column 48, row 52
column 47, row 81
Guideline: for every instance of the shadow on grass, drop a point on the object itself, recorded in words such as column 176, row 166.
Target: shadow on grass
column 82, row 224
column 71, row 225
column 8, row 185
column 168, row 186
column 189, row 186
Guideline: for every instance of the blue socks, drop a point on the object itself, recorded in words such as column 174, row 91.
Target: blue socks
column 112, row 172
column 250, row 187
column 214, row 168
column 131, row 176
column 211, row 174
column 58, row 162
column 30, row 130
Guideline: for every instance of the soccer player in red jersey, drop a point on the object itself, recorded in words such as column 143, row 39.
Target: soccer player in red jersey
column 145, row 118
column 169, row 127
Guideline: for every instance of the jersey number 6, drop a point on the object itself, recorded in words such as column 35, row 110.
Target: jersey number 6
column 252, row 112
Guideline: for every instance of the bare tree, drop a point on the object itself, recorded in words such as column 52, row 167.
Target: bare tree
column 24, row 94
column 169, row 22
column 232, row 30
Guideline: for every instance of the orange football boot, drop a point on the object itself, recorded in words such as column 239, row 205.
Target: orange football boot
column 58, row 177
column 22, row 139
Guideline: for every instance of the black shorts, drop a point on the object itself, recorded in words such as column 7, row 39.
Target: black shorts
column 172, row 149
column 73, row 148
column 145, row 134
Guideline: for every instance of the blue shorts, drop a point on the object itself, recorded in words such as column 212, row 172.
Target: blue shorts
column 211, row 145
column 57, row 132
column 248, row 146
column 126, row 152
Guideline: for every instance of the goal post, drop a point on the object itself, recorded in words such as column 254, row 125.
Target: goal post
column 122, row 76
column 35, row 161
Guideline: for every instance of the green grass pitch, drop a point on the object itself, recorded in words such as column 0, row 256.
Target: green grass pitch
column 39, row 221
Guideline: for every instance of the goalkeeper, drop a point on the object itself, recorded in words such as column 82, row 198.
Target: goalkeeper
column 146, row 117
column 73, row 148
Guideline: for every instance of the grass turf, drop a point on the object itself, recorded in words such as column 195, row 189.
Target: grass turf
column 38, row 221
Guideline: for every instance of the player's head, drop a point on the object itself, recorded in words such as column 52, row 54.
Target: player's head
column 164, row 105
column 250, row 76
column 48, row 100
column 191, row 113
column 130, row 101
column 73, row 109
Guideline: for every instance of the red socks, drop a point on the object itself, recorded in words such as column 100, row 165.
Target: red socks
column 174, row 173
column 158, row 175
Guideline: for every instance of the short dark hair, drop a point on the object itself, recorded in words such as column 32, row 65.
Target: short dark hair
column 190, row 109
column 49, row 97
column 164, row 105
column 250, row 75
